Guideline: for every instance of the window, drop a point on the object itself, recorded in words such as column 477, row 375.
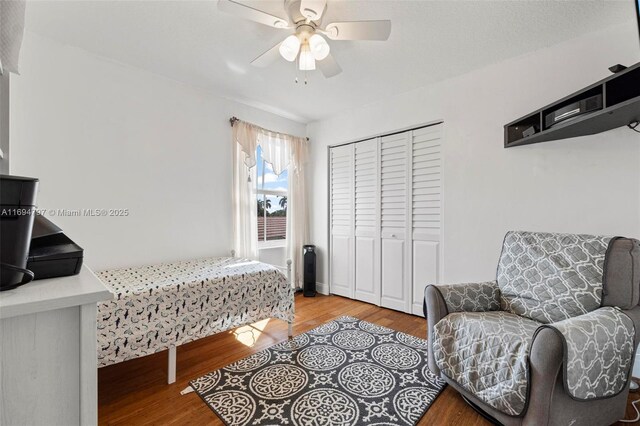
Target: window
column 271, row 194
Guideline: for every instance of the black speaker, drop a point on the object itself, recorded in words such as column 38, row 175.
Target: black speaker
column 309, row 261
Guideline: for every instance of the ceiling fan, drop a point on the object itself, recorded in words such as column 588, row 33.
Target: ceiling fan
column 307, row 43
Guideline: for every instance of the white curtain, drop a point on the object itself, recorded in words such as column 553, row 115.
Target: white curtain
column 276, row 150
column 283, row 152
column 297, row 214
column 244, row 210
column 11, row 33
column 276, row 147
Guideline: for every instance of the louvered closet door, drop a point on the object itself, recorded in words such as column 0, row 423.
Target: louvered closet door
column 426, row 214
column 341, row 220
column 367, row 231
column 395, row 222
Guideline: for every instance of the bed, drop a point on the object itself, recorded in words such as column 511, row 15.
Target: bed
column 160, row 307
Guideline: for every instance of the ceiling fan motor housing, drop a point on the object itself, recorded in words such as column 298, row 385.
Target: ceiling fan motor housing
column 310, row 13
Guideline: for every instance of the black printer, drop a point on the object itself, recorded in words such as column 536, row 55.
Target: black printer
column 52, row 254
column 17, row 209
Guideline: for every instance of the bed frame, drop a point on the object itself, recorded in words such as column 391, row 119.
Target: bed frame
column 171, row 352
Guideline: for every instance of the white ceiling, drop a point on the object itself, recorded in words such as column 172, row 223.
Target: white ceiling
column 191, row 41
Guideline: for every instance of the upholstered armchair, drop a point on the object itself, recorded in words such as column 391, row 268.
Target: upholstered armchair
column 552, row 340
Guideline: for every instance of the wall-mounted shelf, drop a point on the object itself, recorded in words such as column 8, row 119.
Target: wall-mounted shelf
column 620, row 94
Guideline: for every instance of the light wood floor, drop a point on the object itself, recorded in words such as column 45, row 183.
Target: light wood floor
column 136, row 393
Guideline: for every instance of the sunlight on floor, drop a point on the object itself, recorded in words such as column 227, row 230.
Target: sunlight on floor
column 249, row 334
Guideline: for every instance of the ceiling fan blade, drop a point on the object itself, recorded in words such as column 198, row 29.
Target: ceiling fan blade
column 313, row 9
column 328, row 66
column 247, row 12
column 359, row 30
column 268, row 57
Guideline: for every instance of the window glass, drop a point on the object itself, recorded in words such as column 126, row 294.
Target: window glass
column 271, row 201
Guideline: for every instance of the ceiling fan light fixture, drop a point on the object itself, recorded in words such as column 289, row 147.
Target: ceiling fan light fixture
column 306, row 62
column 290, row 47
column 319, row 47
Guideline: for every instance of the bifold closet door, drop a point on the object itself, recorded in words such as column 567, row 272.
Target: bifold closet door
column 341, row 178
column 395, row 215
column 367, row 224
column 426, row 210
column 386, row 218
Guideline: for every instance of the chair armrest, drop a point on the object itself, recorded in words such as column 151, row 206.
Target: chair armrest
column 598, row 349
column 470, row 297
column 545, row 362
column 435, row 309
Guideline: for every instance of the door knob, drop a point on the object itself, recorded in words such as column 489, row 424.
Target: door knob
column 393, row 235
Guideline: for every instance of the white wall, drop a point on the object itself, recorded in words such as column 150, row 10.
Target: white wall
column 273, row 255
column 587, row 185
column 4, row 122
column 100, row 134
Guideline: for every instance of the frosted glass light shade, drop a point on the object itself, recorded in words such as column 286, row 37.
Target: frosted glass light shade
column 289, row 48
column 319, row 47
column 306, row 62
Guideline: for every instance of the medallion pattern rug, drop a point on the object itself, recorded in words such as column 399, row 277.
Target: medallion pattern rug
column 345, row 372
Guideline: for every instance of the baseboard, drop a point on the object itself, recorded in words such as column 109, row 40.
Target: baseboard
column 636, row 366
column 322, row 288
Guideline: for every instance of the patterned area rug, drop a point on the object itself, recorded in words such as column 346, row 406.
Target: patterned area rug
column 345, row 372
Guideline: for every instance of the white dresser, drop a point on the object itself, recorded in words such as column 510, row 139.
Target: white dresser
column 48, row 358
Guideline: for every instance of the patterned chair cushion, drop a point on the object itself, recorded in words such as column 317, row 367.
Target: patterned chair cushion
column 487, row 353
column 551, row 277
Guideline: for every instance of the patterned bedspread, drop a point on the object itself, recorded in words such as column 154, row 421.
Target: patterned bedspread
column 170, row 304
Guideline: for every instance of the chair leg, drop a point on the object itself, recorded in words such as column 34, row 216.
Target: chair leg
column 171, row 370
column 290, row 330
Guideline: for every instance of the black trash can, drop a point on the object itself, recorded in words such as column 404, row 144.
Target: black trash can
column 309, row 261
column 17, row 211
